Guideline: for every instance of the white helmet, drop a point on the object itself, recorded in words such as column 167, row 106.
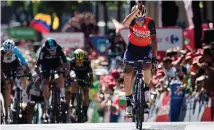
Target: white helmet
column 141, row 13
column 8, row 45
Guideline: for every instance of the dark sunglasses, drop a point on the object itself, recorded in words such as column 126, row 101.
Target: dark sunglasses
column 140, row 18
column 51, row 50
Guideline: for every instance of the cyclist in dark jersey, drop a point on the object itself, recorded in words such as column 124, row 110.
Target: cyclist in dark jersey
column 51, row 56
column 82, row 68
column 142, row 46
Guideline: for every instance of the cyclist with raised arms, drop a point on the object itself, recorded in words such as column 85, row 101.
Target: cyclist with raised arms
column 142, row 46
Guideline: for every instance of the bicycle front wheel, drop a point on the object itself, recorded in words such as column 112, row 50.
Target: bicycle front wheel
column 79, row 110
column 140, row 108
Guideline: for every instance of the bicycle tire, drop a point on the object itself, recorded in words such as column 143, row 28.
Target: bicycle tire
column 53, row 113
column 2, row 110
column 62, row 117
column 58, row 114
column 135, row 102
column 79, row 106
column 141, row 104
column 17, row 106
column 62, row 111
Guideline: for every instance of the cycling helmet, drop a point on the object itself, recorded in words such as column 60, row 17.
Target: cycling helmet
column 8, row 45
column 79, row 54
column 141, row 13
column 50, row 44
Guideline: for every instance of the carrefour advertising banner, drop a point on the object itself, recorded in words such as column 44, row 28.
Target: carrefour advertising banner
column 68, row 40
column 169, row 38
column 166, row 37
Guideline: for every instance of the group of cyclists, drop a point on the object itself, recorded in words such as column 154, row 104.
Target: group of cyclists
column 142, row 46
column 51, row 57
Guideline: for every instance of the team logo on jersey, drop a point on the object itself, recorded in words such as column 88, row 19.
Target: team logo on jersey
column 8, row 58
column 50, row 57
column 141, row 33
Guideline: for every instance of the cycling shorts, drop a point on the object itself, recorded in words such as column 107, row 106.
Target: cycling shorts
column 9, row 69
column 37, row 99
column 134, row 53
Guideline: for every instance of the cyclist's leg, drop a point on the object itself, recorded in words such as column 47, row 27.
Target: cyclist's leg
column 74, row 90
column 34, row 98
column 61, row 84
column 7, row 99
column 128, row 80
column 20, row 71
column 68, row 95
column 45, row 87
column 147, row 68
column 147, row 72
column 6, row 70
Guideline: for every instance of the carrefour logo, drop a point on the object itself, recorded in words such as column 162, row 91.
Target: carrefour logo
column 173, row 39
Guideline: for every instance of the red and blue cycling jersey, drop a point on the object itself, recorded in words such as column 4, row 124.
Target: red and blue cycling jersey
column 141, row 36
column 139, row 47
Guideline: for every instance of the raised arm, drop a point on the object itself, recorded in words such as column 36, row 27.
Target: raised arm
column 127, row 21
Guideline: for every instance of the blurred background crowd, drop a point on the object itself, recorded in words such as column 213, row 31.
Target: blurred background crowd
column 191, row 64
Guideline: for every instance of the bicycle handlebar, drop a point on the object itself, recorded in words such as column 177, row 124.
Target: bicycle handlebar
column 52, row 72
column 139, row 61
column 81, row 80
column 24, row 75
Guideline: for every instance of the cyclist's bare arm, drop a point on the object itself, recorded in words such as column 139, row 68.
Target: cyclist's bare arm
column 152, row 29
column 65, row 62
column 37, row 70
column 154, row 45
column 38, row 63
column 127, row 21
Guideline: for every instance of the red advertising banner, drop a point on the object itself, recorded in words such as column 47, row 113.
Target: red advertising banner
column 163, row 113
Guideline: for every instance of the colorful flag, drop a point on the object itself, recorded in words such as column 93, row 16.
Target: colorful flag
column 42, row 22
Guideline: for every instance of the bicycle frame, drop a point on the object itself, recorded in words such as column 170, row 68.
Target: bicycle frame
column 18, row 97
column 79, row 109
column 57, row 108
column 138, row 93
column 55, row 101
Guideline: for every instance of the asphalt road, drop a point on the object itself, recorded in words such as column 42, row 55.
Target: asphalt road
column 115, row 126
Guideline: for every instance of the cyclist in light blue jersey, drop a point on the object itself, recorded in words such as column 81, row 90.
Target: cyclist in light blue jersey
column 12, row 61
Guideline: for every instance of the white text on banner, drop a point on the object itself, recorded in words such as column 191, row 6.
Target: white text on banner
column 68, row 40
